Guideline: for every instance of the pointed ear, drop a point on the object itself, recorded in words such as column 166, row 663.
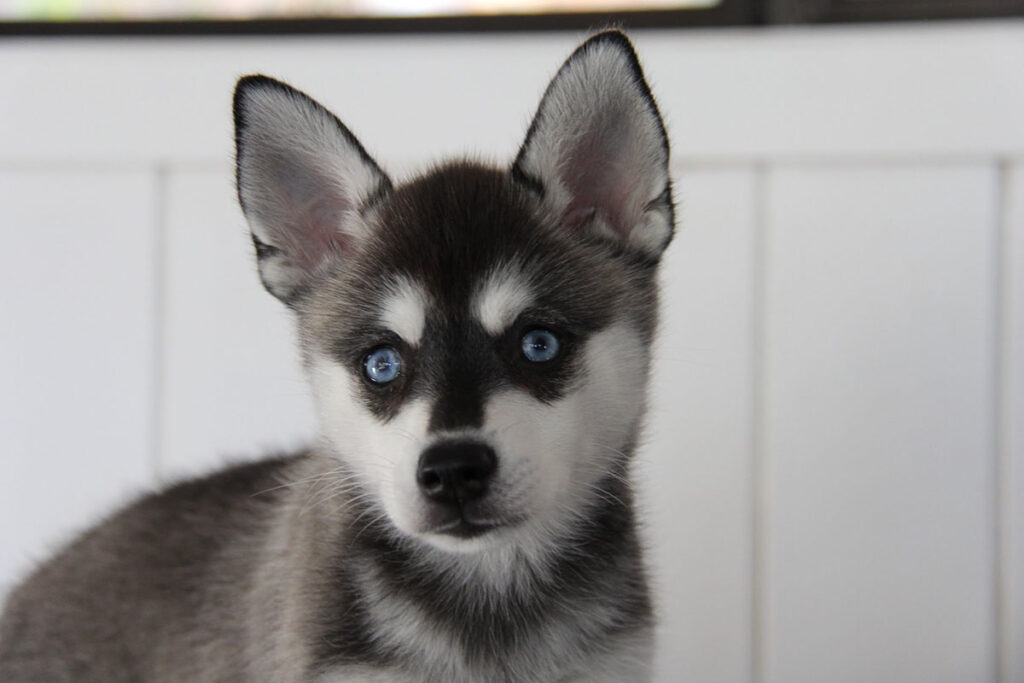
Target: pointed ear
column 302, row 180
column 597, row 151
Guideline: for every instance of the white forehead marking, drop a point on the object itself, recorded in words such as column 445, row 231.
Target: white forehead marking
column 503, row 296
column 404, row 310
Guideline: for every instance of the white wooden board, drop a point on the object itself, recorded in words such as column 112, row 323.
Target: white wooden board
column 878, row 424
column 696, row 463
column 232, row 388
column 76, row 368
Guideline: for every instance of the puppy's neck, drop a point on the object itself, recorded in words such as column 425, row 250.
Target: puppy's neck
column 382, row 593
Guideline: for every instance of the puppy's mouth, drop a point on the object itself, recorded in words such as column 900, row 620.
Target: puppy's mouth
column 461, row 527
column 463, row 524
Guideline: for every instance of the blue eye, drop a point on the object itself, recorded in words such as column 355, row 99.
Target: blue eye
column 383, row 365
column 539, row 345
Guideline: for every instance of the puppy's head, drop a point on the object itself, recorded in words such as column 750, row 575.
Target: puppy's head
column 477, row 339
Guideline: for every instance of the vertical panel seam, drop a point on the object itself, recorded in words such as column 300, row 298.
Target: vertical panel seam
column 159, row 284
column 1002, row 473
column 758, row 491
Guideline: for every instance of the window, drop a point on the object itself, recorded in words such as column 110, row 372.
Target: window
column 120, row 10
column 233, row 17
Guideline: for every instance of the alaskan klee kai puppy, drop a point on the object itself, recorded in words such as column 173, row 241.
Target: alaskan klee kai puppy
column 478, row 344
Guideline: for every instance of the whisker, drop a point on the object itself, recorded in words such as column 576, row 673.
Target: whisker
column 314, row 478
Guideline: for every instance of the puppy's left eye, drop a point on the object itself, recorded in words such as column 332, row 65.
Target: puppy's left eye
column 382, row 365
column 539, row 345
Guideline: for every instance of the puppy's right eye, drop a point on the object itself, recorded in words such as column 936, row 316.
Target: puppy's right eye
column 539, row 345
column 383, row 365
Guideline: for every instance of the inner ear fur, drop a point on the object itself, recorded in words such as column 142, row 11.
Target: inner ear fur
column 302, row 178
column 597, row 151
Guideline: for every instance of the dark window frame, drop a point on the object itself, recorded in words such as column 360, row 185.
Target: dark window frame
column 852, row 11
column 727, row 13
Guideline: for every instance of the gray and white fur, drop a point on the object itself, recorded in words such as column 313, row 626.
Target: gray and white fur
column 477, row 340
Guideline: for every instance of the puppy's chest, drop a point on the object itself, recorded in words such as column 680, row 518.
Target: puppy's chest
column 573, row 646
column 627, row 659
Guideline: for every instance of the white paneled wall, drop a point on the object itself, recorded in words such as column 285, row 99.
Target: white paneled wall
column 877, row 423
column 231, row 381
column 700, row 476
column 77, row 335
column 834, row 471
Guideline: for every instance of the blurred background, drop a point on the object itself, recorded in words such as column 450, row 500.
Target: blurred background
column 834, row 474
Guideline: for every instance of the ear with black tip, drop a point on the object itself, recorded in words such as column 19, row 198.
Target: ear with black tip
column 302, row 180
column 597, row 151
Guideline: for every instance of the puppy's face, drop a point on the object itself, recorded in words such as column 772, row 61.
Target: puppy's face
column 477, row 339
column 479, row 372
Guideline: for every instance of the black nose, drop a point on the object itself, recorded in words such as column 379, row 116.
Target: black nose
column 455, row 471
